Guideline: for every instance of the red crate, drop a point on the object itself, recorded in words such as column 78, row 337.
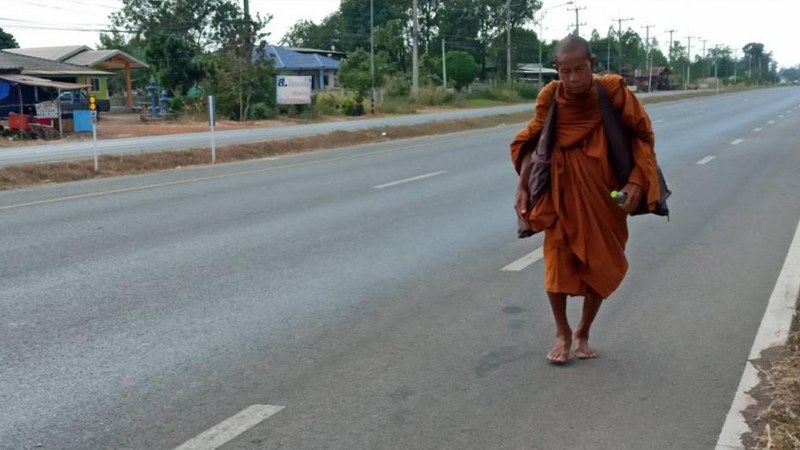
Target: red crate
column 18, row 122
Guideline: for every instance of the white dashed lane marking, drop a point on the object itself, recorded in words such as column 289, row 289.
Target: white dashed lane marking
column 737, row 141
column 408, row 180
column 525, row 261
column 756, row 130
column 705, row 160
column 228, row 429
column 657, row 121
column 771, row 121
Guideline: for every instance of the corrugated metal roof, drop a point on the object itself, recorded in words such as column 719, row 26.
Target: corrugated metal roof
column 91, row 58
column 285, row 59
column 34, row 81
column 38, row 66
column 60, row 54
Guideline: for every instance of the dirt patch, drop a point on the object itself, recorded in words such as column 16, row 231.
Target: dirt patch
column 58, row 172
column 775, row 418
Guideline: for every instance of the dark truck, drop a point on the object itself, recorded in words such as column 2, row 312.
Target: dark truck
column 71, row 100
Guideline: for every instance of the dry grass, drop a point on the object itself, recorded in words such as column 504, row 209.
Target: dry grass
column 779, row 425
column 59, row 172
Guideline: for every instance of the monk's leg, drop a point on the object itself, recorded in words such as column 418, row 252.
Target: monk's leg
column 591, row 305
column 560, row 352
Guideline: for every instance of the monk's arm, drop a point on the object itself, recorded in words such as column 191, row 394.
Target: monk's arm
column 528, row 136
column 635, row 118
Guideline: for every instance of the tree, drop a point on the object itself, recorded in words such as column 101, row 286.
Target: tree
column 791, row 74
column 461, row 68
column 354, row 73
column 7, row 40
column 235, row 84
column 175, row 33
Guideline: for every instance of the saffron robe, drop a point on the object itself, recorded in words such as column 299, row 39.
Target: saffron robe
column 585, row 231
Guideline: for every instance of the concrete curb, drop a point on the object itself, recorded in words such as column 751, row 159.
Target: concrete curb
column 773, row 331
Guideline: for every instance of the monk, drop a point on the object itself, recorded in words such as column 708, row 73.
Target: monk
column 584, row 230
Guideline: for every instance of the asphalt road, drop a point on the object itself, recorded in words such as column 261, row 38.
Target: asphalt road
column 139, row 312
column 84, row 149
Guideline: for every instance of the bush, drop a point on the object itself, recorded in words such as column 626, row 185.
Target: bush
column 176, row 104
column 262, row 111
column 398, row 86
column 526, row 91
column 332, row 103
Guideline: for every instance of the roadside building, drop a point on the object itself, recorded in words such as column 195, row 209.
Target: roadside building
column 322, row 69
column 98, row 60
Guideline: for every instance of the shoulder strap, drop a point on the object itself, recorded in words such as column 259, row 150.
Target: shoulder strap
column 547, row 138
column 620, row 154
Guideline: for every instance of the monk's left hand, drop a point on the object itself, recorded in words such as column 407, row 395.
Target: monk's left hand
column 634, row 193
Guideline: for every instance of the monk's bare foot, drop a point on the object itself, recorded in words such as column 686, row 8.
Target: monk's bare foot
column 560, row 352
column 581, row 347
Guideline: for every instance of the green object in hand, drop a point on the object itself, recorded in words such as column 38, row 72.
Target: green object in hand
column 619, row 198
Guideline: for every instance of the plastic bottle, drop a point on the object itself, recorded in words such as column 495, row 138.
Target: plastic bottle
column 619, row 198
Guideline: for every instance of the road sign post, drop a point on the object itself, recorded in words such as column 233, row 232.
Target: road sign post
column 93, row 113
column 211, row 120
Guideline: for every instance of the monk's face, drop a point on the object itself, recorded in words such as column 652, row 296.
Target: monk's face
column 575, row 71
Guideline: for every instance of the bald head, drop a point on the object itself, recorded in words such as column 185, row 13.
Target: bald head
column 573, row 43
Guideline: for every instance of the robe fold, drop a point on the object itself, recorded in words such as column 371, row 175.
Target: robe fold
column 585, row 232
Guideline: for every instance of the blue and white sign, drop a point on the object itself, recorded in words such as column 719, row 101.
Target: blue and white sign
column 293, row 90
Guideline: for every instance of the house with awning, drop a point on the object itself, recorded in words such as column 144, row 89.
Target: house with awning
column 322, row 69
column 99, row 60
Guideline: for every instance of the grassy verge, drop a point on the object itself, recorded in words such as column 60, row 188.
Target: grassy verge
column 23, row 175
column 59, row 172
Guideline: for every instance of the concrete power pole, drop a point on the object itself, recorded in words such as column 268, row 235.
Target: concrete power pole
column 577, row 18
column 648, row 61
column 619, row 36
column 444, row 69
column 414, row 54
column 669, row 50
column 705, row 64
column 372, row 53
column 508, row 41
column 689, row 63
column 735, row 62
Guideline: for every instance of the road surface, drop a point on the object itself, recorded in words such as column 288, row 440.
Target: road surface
column 363, row 291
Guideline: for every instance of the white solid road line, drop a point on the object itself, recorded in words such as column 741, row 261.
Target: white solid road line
column 771, row 121
column 737, row 141
column 525, row 261
column 705, row 160
column 756, row 130
column 228, row 429
column 408, row 180
column 773, row 331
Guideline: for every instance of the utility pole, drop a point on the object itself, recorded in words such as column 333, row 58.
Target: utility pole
column 735, row 62
column 444, row 69
column 669, row 50
column 608, row 55
column 619, row 36
column 541, row 28
column 648, row 62
column 705, row 64
column 689, row 63
column 248, row 37
column 508, row 41
column 578, row 23
column 716, row 65
column 372, row 52
column 415, row 62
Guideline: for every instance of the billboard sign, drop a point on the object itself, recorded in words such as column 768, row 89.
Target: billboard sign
column 293, row 90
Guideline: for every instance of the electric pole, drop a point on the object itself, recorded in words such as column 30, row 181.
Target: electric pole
column 619, row 36
column 608, row 55
column 444, row 69
column 735, row 62
column 669, row 50
column 508, row 41
column 705, row 64
column 578, row 23
column 248, row 44
column 372, row 53
column 415, row 63
column 688, row 63
column 541, row 28
column 648, row 62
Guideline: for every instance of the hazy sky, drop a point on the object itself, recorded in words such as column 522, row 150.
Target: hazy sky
column 39, row 23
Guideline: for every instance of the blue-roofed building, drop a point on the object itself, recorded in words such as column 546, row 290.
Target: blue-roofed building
column 321, row 68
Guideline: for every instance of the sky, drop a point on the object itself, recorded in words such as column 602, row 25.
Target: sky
column 41, row 23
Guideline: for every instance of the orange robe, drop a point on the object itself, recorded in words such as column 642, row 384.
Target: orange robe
column 584, row 231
